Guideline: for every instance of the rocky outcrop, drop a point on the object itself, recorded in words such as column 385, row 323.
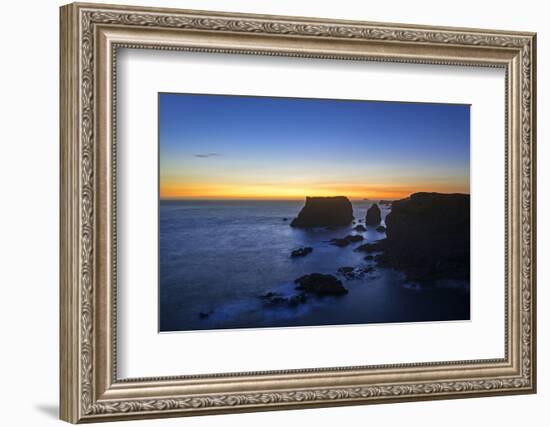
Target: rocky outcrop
column 381, row 229
column 324, row 212
column 344, row 241
column 428, row 237
column 321, row 284
column 360, row 228
column 373, row 215
column 301, row 252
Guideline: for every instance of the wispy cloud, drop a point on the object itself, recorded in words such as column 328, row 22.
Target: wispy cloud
column 207, row 155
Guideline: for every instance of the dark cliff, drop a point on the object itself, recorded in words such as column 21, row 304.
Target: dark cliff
column 428, row 236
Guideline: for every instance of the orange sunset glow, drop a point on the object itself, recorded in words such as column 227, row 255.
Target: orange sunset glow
column 222, row 192
column 231, row 147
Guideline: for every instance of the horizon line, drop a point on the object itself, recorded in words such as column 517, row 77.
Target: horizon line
column 209, row 198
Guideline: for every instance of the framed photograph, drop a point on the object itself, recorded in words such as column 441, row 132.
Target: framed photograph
column 265, row 212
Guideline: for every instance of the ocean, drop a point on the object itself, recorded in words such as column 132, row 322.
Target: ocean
column 217, row 259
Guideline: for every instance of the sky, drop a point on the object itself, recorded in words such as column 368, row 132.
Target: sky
column 237, row 147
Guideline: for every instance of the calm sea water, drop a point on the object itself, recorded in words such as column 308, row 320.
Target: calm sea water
column 218, row 257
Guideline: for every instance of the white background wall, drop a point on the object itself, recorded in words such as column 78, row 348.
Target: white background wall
column 29, row 170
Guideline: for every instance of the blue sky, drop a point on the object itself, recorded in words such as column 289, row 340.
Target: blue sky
column 217, row 146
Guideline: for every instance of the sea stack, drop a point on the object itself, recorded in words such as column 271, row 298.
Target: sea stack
column 373, row 215
column 324, row 212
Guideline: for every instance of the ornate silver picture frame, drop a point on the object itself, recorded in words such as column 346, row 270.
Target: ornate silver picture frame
column 91, row 390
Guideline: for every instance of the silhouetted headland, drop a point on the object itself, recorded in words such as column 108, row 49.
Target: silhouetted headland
column 427, row 237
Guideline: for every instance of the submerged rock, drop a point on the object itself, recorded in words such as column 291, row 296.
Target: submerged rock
column 297, row 299
column 345, row 241
column 321, row 284
column 277, row 299
column 324, row 212
column 354, row 272
column 368, row 247
column 269, row 295
column 339, row 242
column 345, row 270
column 360, row 228
column 205, row 314
column 381, row 229
column 301, row 252
column 373, row 215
